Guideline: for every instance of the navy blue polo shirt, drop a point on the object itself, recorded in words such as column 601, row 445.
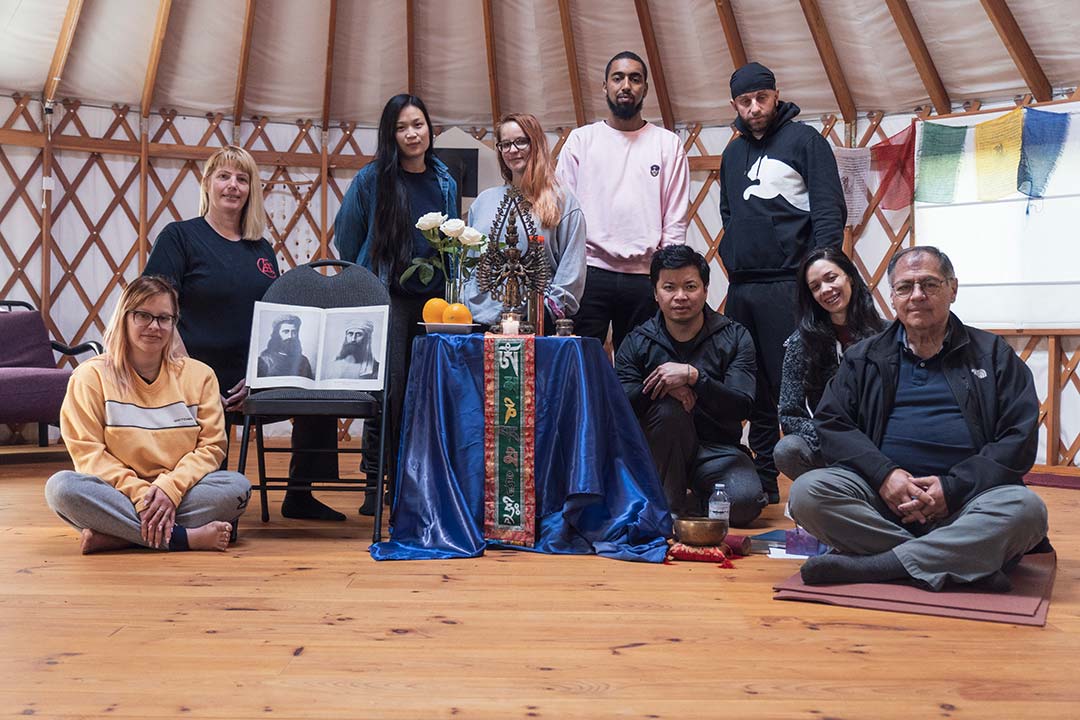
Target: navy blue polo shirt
column 926, row 433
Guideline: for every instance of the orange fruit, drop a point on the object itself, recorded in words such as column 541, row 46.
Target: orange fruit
column 434, row 309
column 457, row 313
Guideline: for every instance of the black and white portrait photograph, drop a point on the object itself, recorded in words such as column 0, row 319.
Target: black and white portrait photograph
column 284, row 344
column 298, row 346
column 354, row 342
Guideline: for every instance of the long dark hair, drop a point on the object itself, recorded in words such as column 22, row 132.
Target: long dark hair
column 392, row 243
column 815, row 326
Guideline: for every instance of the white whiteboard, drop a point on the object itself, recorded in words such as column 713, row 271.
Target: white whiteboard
column 1017, row 259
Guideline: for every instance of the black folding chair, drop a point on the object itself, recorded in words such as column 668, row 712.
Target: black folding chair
column 353, row 286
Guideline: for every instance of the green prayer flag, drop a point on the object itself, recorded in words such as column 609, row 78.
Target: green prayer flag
column 939, row 162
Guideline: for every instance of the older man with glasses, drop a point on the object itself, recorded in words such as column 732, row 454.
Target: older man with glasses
column 929, row 428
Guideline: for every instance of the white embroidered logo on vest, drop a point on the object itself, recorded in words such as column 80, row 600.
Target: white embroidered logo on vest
column 979, row 373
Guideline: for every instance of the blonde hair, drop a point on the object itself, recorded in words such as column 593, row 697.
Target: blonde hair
column 253, row 216
column 538, row 183
column 117, row 362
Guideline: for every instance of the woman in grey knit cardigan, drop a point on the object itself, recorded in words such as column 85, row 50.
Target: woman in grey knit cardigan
column 836, row 310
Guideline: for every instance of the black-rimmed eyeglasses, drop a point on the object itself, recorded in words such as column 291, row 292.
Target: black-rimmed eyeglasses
column 143, row 319
column 521, row 143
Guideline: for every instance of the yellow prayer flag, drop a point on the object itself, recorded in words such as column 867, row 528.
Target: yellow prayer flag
column 997, row 154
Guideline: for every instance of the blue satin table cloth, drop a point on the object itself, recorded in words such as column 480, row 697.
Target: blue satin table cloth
column 597, row 490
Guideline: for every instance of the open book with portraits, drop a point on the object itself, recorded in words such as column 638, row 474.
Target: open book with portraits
column 316, row 348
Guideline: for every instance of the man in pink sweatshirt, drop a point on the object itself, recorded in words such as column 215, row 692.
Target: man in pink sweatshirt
column 633, row 183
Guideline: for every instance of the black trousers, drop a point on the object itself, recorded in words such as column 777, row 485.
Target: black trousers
column 685, row 462
column 621, row 300
column 767, row 311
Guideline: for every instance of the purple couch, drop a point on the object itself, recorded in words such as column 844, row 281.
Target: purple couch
column 31, row 386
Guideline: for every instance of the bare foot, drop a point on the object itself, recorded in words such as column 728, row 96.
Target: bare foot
column 211, row 536
column 93, row 542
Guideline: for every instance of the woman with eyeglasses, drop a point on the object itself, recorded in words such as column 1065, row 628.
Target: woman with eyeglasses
column 835, row 310
column 526, row 165
column 221, row 266
column 144, row 426
column 376, row 227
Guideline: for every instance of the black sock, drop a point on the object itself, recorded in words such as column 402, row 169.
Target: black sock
column 178, row 541
column 828, row 569
column 302, row 505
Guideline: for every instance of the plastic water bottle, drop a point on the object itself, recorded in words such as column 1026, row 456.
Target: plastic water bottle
column 719, row 505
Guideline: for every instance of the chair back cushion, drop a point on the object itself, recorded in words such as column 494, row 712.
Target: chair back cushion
column 24, row 341
column 354, row 286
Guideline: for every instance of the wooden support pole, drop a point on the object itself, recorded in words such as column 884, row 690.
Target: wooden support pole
column 1053, row 399
column 241, row 75
column 829, row 60
column 144, row 173
column 656, row 66
column 1017, row 45
column 160, row 25
column 324, row 197
column 62, row 50
column 328, row 74
column 48, row 187
column 572, row 61
column 410, row 43
column 920, row 55
column 731, row 33
column 493, row 74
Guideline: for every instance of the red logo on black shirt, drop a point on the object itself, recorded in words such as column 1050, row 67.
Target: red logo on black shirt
column 266, row 268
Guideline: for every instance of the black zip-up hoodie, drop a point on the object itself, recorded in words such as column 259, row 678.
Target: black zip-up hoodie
column 992, row 386
column 780, row 197
column 723, row 355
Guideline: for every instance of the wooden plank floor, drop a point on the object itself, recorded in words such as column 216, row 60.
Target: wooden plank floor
column 297, row 621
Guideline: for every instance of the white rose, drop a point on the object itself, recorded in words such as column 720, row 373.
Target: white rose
column 471, row 237
column 453, row 228
column 430, row 221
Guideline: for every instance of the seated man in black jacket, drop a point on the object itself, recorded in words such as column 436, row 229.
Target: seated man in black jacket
column 929, row 428
column 689, row 374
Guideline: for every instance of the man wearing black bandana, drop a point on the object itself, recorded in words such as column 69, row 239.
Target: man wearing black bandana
column 780, row 197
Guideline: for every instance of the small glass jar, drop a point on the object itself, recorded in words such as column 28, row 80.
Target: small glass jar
column 510, row 324
column 564, row 327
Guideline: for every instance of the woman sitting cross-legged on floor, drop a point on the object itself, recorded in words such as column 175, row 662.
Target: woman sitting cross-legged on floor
column 145, row 430
column 836, row 310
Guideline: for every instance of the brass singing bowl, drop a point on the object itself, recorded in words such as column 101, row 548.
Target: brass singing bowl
column 700, row 531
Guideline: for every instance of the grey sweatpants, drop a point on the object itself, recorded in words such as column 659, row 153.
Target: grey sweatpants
column 839, row 508
column 86, row 501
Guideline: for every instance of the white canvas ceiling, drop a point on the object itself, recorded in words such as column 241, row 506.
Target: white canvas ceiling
column 201, row 54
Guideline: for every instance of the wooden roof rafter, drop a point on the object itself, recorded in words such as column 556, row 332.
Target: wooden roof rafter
column 1017, row 45
column 656, row 65
column 731, row 33
column 63, row 49
column 328, row 75
column 160, row 25
column 572, row 61
column 242, row 72
column 493, row 73
column 920, row 55
column 818, row 30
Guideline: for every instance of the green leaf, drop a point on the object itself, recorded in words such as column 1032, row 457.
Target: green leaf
column 427, row 274
column 409, row 271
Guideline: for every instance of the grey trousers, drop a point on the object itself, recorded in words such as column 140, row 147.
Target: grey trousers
column 794, row 457
column 839, row 508
column 86, row 501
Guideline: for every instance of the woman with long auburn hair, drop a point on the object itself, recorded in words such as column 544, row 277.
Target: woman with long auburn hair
column 835, row 310
column 526, row 164
column 145, row 429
